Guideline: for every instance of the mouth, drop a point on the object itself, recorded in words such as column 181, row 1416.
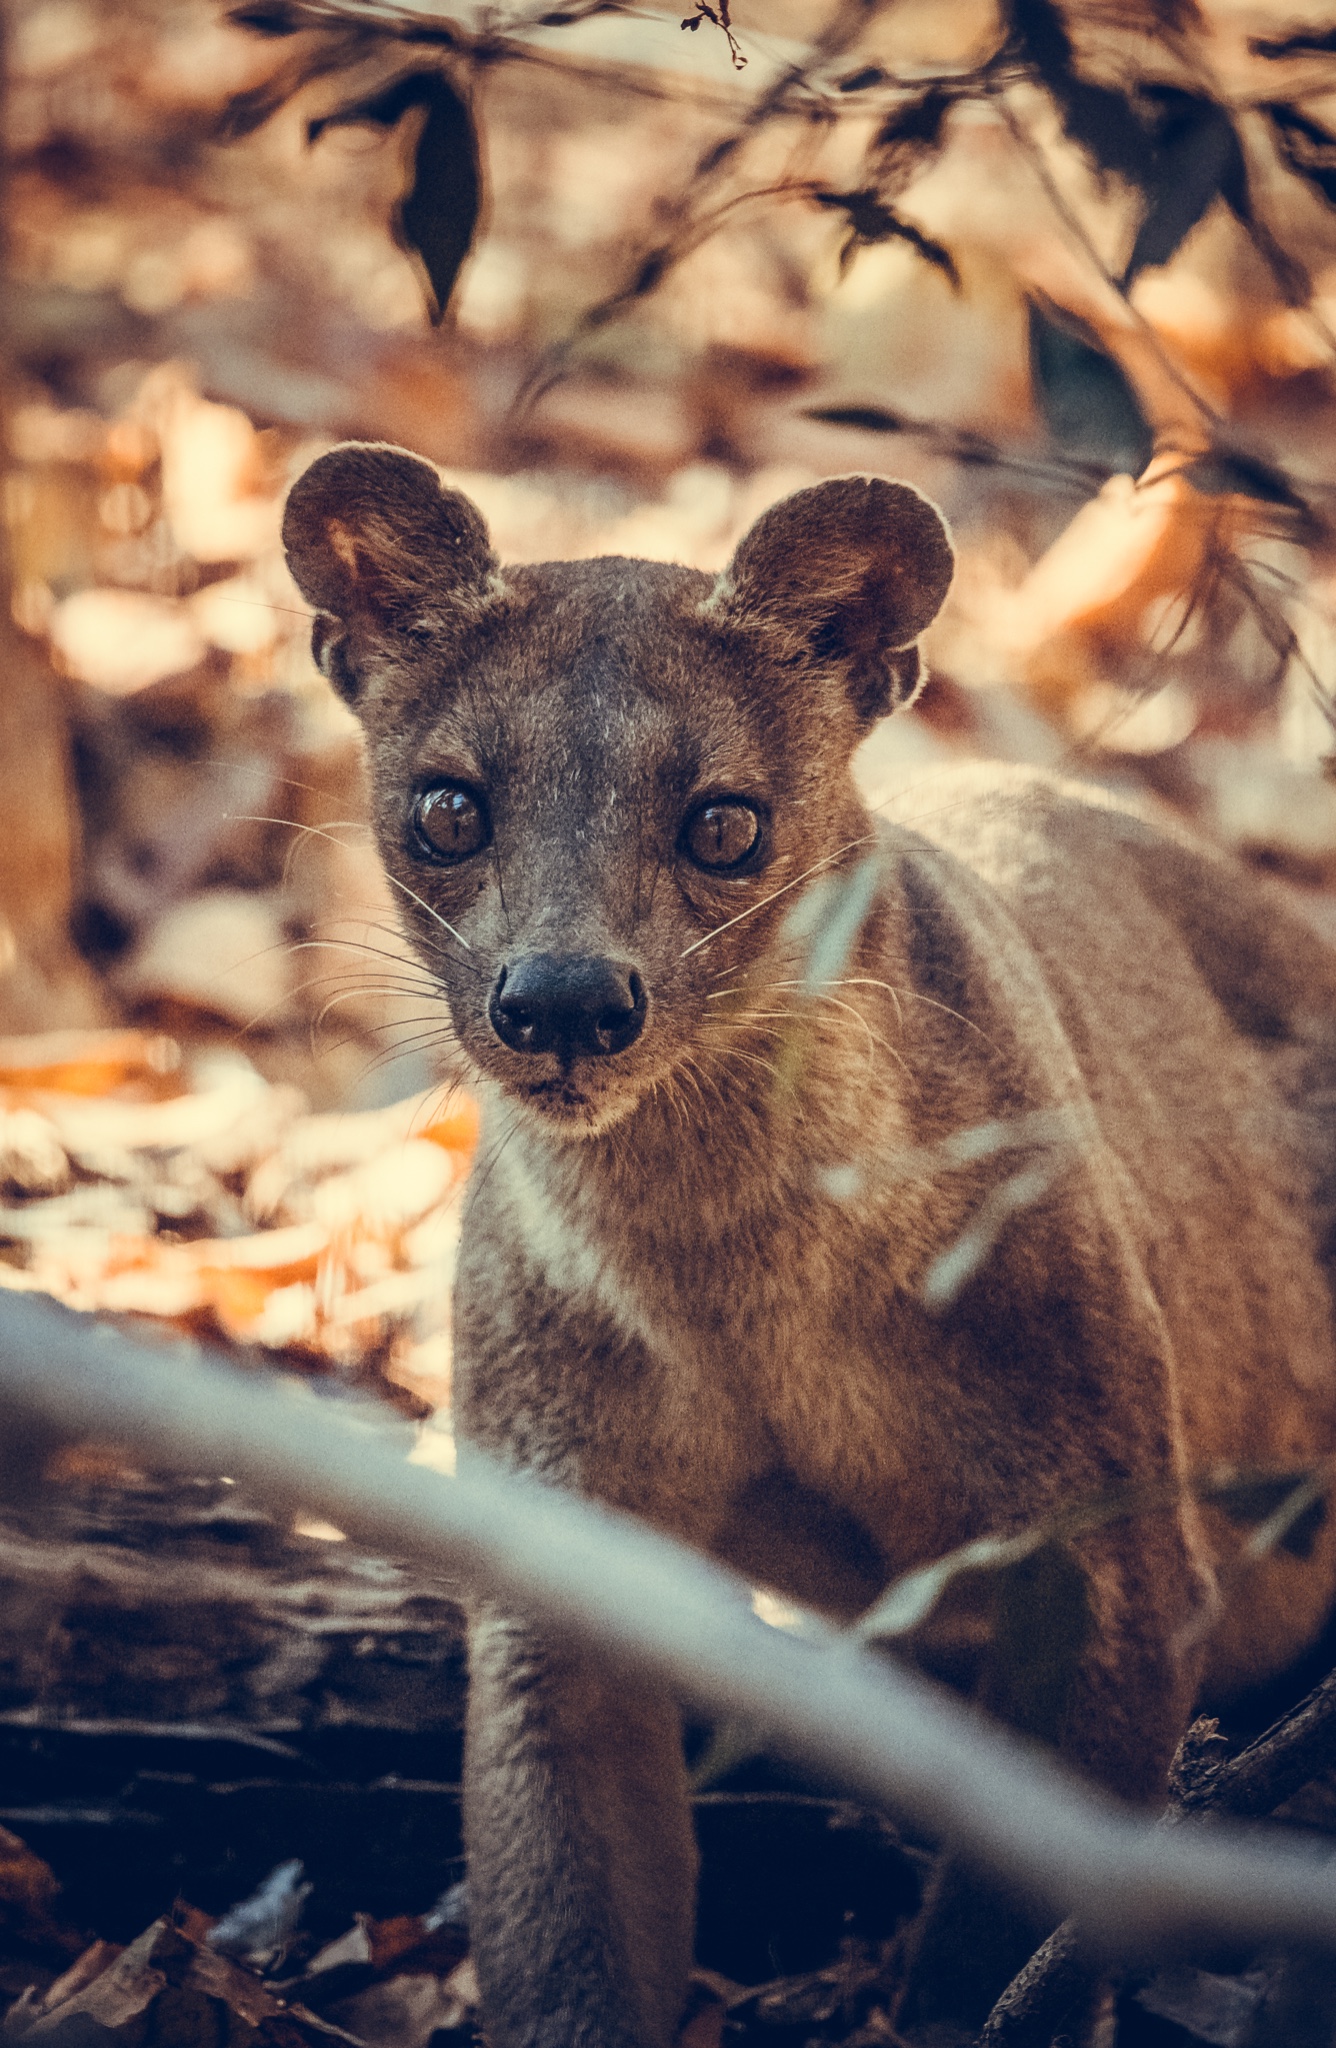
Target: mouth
column 558, row 1097
column 561, row 1104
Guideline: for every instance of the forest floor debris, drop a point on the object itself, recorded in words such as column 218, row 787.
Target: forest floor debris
column 136, row 1179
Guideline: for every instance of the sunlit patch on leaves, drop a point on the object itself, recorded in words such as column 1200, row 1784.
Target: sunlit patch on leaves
column 436, row 219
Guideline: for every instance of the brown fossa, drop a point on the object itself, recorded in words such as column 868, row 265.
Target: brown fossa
column 717, row 1263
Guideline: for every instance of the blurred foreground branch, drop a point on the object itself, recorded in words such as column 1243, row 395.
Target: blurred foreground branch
column 882, row 1731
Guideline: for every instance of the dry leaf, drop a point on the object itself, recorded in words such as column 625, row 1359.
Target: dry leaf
column 28, row 1893
column 32, row 1159
column 87, row 1062
column 1084, row 606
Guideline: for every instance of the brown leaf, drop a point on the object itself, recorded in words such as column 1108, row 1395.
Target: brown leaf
column 196, row 1997
column 97, row 1957
column 27, row 1885
column 115, row 1997
column 28, row 1892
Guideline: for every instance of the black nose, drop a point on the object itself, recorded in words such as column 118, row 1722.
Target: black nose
column 569, row 1004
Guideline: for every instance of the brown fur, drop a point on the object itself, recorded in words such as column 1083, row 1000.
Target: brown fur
column 693, row 1274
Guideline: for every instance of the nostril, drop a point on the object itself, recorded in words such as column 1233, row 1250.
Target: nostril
column 571, row 1005
column 620, row 1023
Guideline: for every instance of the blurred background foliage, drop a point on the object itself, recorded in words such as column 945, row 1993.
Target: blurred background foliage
column 628, row 277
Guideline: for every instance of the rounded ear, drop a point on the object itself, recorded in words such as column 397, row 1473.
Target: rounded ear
column 846, row 574
column 374, row 539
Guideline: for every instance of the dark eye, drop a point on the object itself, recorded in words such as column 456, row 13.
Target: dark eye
column 722, row 834
column 450, row 823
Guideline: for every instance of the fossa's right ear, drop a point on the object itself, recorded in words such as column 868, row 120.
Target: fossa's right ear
column 376, row 543
column 844, row 575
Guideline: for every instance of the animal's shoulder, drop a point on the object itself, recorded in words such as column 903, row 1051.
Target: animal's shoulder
column 992, row 813
column 1088, row 875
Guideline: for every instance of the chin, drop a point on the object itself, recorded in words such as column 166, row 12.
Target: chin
column 562, row 1108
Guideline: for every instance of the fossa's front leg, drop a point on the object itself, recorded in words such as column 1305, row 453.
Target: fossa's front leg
column 582, row 1861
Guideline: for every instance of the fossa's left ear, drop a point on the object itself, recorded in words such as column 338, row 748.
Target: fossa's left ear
column 846, row 574
column 374, row 540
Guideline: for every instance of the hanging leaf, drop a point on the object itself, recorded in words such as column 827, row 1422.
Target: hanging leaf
column 910, row 137
column 439, row 214
column 1177, row 15
column 720, row 16
column 268, row 18
column 918, row 119
column 1181, row 149
column 871, row 220
column 1099, row 120
column 436, row 219
column 1227, row 471
column 1088, row 405
column 1197, row 154
column 1306, row 148
column 1314, row 42
column 869, row 419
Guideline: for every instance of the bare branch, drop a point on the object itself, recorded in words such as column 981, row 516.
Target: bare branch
column 884, row 1732
column 1300, row 1746
column 1255, row 1782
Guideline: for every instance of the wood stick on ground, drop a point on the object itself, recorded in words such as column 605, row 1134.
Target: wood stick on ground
column 887, row 1734
column 1280, row 1762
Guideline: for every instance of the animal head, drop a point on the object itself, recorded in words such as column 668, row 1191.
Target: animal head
column 598, row 784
